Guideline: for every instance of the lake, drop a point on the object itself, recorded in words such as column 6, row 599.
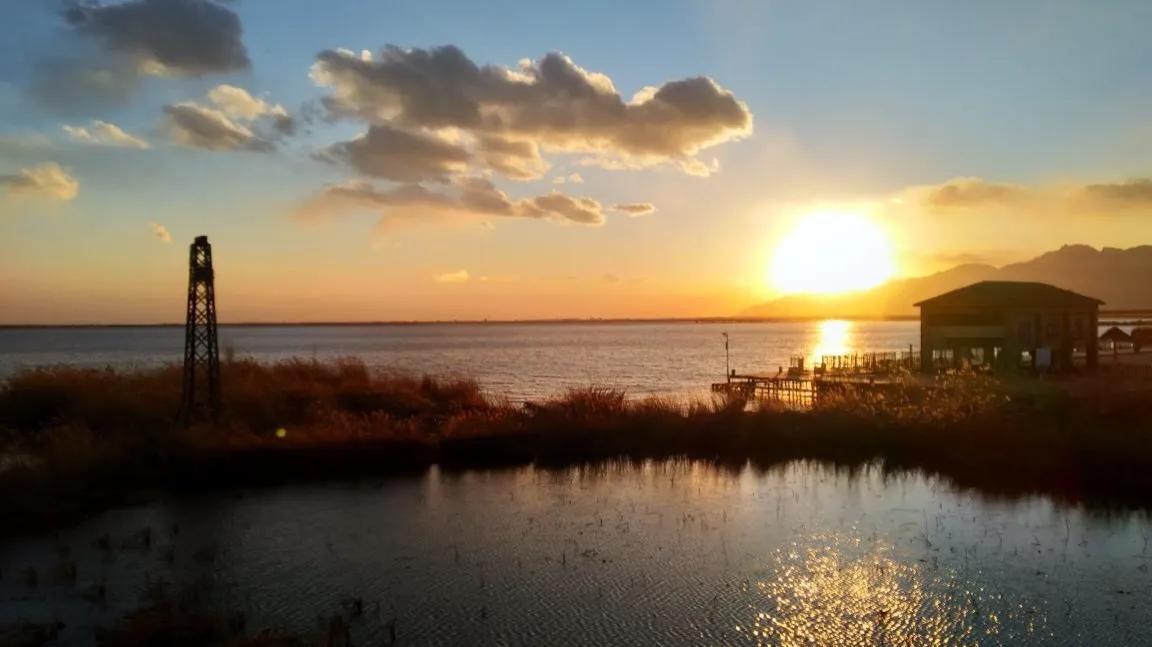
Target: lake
column 654, row 553
column 521, row 361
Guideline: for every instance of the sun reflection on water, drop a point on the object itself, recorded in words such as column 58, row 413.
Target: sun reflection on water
column 836, row 338
column 822, row 595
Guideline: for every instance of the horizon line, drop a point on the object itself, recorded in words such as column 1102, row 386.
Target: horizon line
column 433, row 322
column 1139, row 312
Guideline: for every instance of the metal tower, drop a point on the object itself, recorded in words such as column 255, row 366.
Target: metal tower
column 201, row 389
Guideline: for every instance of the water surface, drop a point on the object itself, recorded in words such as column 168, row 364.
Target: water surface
column 522, row 361
column 659, row 553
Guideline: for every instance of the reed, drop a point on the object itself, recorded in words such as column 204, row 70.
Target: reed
column 260, row 398
column 93, row 431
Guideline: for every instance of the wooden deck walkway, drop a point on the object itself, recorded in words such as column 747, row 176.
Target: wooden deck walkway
column 801, row 387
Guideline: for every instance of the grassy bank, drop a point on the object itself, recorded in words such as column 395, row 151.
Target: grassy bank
column 75, row 439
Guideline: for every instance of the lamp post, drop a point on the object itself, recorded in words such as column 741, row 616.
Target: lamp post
column 727, row 362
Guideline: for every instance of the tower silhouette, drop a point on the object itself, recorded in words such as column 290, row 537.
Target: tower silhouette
column 201, row 386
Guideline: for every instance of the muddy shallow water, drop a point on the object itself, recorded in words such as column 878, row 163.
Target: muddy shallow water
column 654, row 553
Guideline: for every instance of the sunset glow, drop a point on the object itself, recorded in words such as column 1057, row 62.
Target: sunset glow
column 830, row 252
column 357, row 161
column 446, row 322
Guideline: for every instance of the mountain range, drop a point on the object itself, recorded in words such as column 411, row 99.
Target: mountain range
column 1122, row 278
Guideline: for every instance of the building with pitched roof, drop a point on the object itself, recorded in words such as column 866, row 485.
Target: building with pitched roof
column 1007, row 326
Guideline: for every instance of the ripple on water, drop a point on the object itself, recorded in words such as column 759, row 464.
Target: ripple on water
column 829, row 592
column 656, row 553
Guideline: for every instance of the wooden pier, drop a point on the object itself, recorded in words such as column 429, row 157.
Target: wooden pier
column 801, row 386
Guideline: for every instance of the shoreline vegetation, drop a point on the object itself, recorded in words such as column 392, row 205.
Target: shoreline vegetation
column 74, row 441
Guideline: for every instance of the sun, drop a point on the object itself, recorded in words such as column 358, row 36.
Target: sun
column 829, row 252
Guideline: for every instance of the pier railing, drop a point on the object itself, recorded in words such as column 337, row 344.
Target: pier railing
column 868, row 363
column 801, row 384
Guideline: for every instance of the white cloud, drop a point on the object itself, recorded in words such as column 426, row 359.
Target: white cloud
column 160, row 231
column 571, row 178
column 196, row 126
column 459, row 276
column 103, row 133
column 228, row 123
column 47, row 180
column 239, row 104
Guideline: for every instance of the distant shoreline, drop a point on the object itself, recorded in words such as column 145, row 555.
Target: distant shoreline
column 497, row 322
column 1108, row 317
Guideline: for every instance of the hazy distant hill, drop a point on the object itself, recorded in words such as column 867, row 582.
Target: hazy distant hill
column 1122, row 278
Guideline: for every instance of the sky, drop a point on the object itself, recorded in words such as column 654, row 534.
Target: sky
column 358, row 160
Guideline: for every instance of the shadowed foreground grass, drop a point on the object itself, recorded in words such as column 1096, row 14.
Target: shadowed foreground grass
column 75, row 439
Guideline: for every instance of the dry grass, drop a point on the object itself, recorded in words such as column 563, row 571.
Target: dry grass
column 259, row 400
column 89, row 431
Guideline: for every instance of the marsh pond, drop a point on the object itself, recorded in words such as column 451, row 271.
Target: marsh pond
column 639, row 553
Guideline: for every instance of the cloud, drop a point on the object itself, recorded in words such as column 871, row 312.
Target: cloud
column 103, row 133
column 166, row 37
column 124, row 41
column 437, row 119
column 552, row 103
column 236, row 102
column 966, row 192
column 43, row 181
column 399, row 155
column 499, row 280
column 469, row 197
column 79, row 85
column 477, row 195
column 230, row 123
column 196, row 126
column 969, row 195
column 695, row 167
column 459, row 276
column 16, row 144
column 160, row 231
column 635, row 208
column 582, row 210
column 1132, row 192
column 514, row 159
